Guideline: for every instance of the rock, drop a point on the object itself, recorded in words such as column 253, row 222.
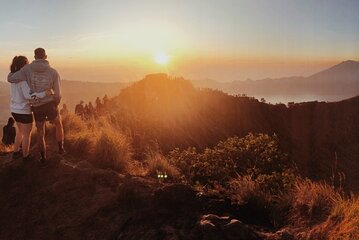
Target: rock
column 215, row 227
column 215, row 219
column 209, row 231
column 235, row 229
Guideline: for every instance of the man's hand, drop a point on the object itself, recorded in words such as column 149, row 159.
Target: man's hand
column 50, row 92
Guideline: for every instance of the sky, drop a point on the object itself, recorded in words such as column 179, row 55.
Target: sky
column 224, row 40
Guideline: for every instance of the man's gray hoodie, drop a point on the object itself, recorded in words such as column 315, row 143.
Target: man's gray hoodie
column 40, row 77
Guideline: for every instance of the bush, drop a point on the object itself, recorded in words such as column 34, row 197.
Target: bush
column 255, row 155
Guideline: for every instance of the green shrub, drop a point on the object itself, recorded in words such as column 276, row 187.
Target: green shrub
column 255, row 155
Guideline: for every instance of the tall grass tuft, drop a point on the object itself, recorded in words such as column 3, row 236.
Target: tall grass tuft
column 254, row 203
column 81, row 144
column 312, row 202
column 112, row 150
column 243, row 189
column 320, row 212
column 5, row 149
column 158, row 163
column 97, row 142
column 343, row 222
column 73, row 124
column 79, row 139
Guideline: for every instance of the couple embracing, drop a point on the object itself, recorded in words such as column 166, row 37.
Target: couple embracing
column 35, row 93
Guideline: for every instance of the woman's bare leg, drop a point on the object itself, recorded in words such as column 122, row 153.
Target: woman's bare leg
column 26, row 131
column 40, row 127
column 18, row 137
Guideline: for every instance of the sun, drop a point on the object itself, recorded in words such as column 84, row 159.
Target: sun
column 161, row 58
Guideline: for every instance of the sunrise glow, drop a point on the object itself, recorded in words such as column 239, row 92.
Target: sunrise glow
column 161, row 58
column 220, row 40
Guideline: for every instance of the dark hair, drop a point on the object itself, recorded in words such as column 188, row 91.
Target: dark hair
column 10, row 121
column 40, row 53
column 17, row 63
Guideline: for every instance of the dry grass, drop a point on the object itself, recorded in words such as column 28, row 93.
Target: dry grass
column 137, row 168
column 158, row 163
column 312, row 202
column 310, row 211
column 5, row 149
column 79, row 139
column 343, row 222
column 112, row 150
column 81, row 144
column 98, row 142
column 73, row 124
column 320, row 212
column 254, row 204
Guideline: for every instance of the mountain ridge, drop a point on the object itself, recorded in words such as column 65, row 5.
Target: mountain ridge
column 335, row 83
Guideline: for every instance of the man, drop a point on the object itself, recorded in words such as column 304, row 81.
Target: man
column 41, row 77
column 79, row 110
column 64, row 111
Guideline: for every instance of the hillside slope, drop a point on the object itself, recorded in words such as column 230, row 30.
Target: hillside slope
column 173, row 113
column 68, row 201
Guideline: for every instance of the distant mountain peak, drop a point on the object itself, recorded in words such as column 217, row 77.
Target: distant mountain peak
column 344, row 70
column 346, row 65
column 349, row 62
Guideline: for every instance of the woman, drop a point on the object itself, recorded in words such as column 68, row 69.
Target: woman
column 9, row 132
column 21, row 110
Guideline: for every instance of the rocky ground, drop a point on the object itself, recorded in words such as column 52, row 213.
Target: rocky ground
column 75, row 201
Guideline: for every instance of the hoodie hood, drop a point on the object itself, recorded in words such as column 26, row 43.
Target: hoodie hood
column 40, row 65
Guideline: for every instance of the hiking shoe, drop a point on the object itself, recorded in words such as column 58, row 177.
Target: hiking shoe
column 28, row 158
column 16, row 155
column 62, row 151
column 43, row 161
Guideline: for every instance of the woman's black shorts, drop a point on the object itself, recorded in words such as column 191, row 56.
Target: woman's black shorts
column 22, row 118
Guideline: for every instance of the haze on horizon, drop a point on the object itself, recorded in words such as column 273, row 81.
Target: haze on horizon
column 93, row 40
